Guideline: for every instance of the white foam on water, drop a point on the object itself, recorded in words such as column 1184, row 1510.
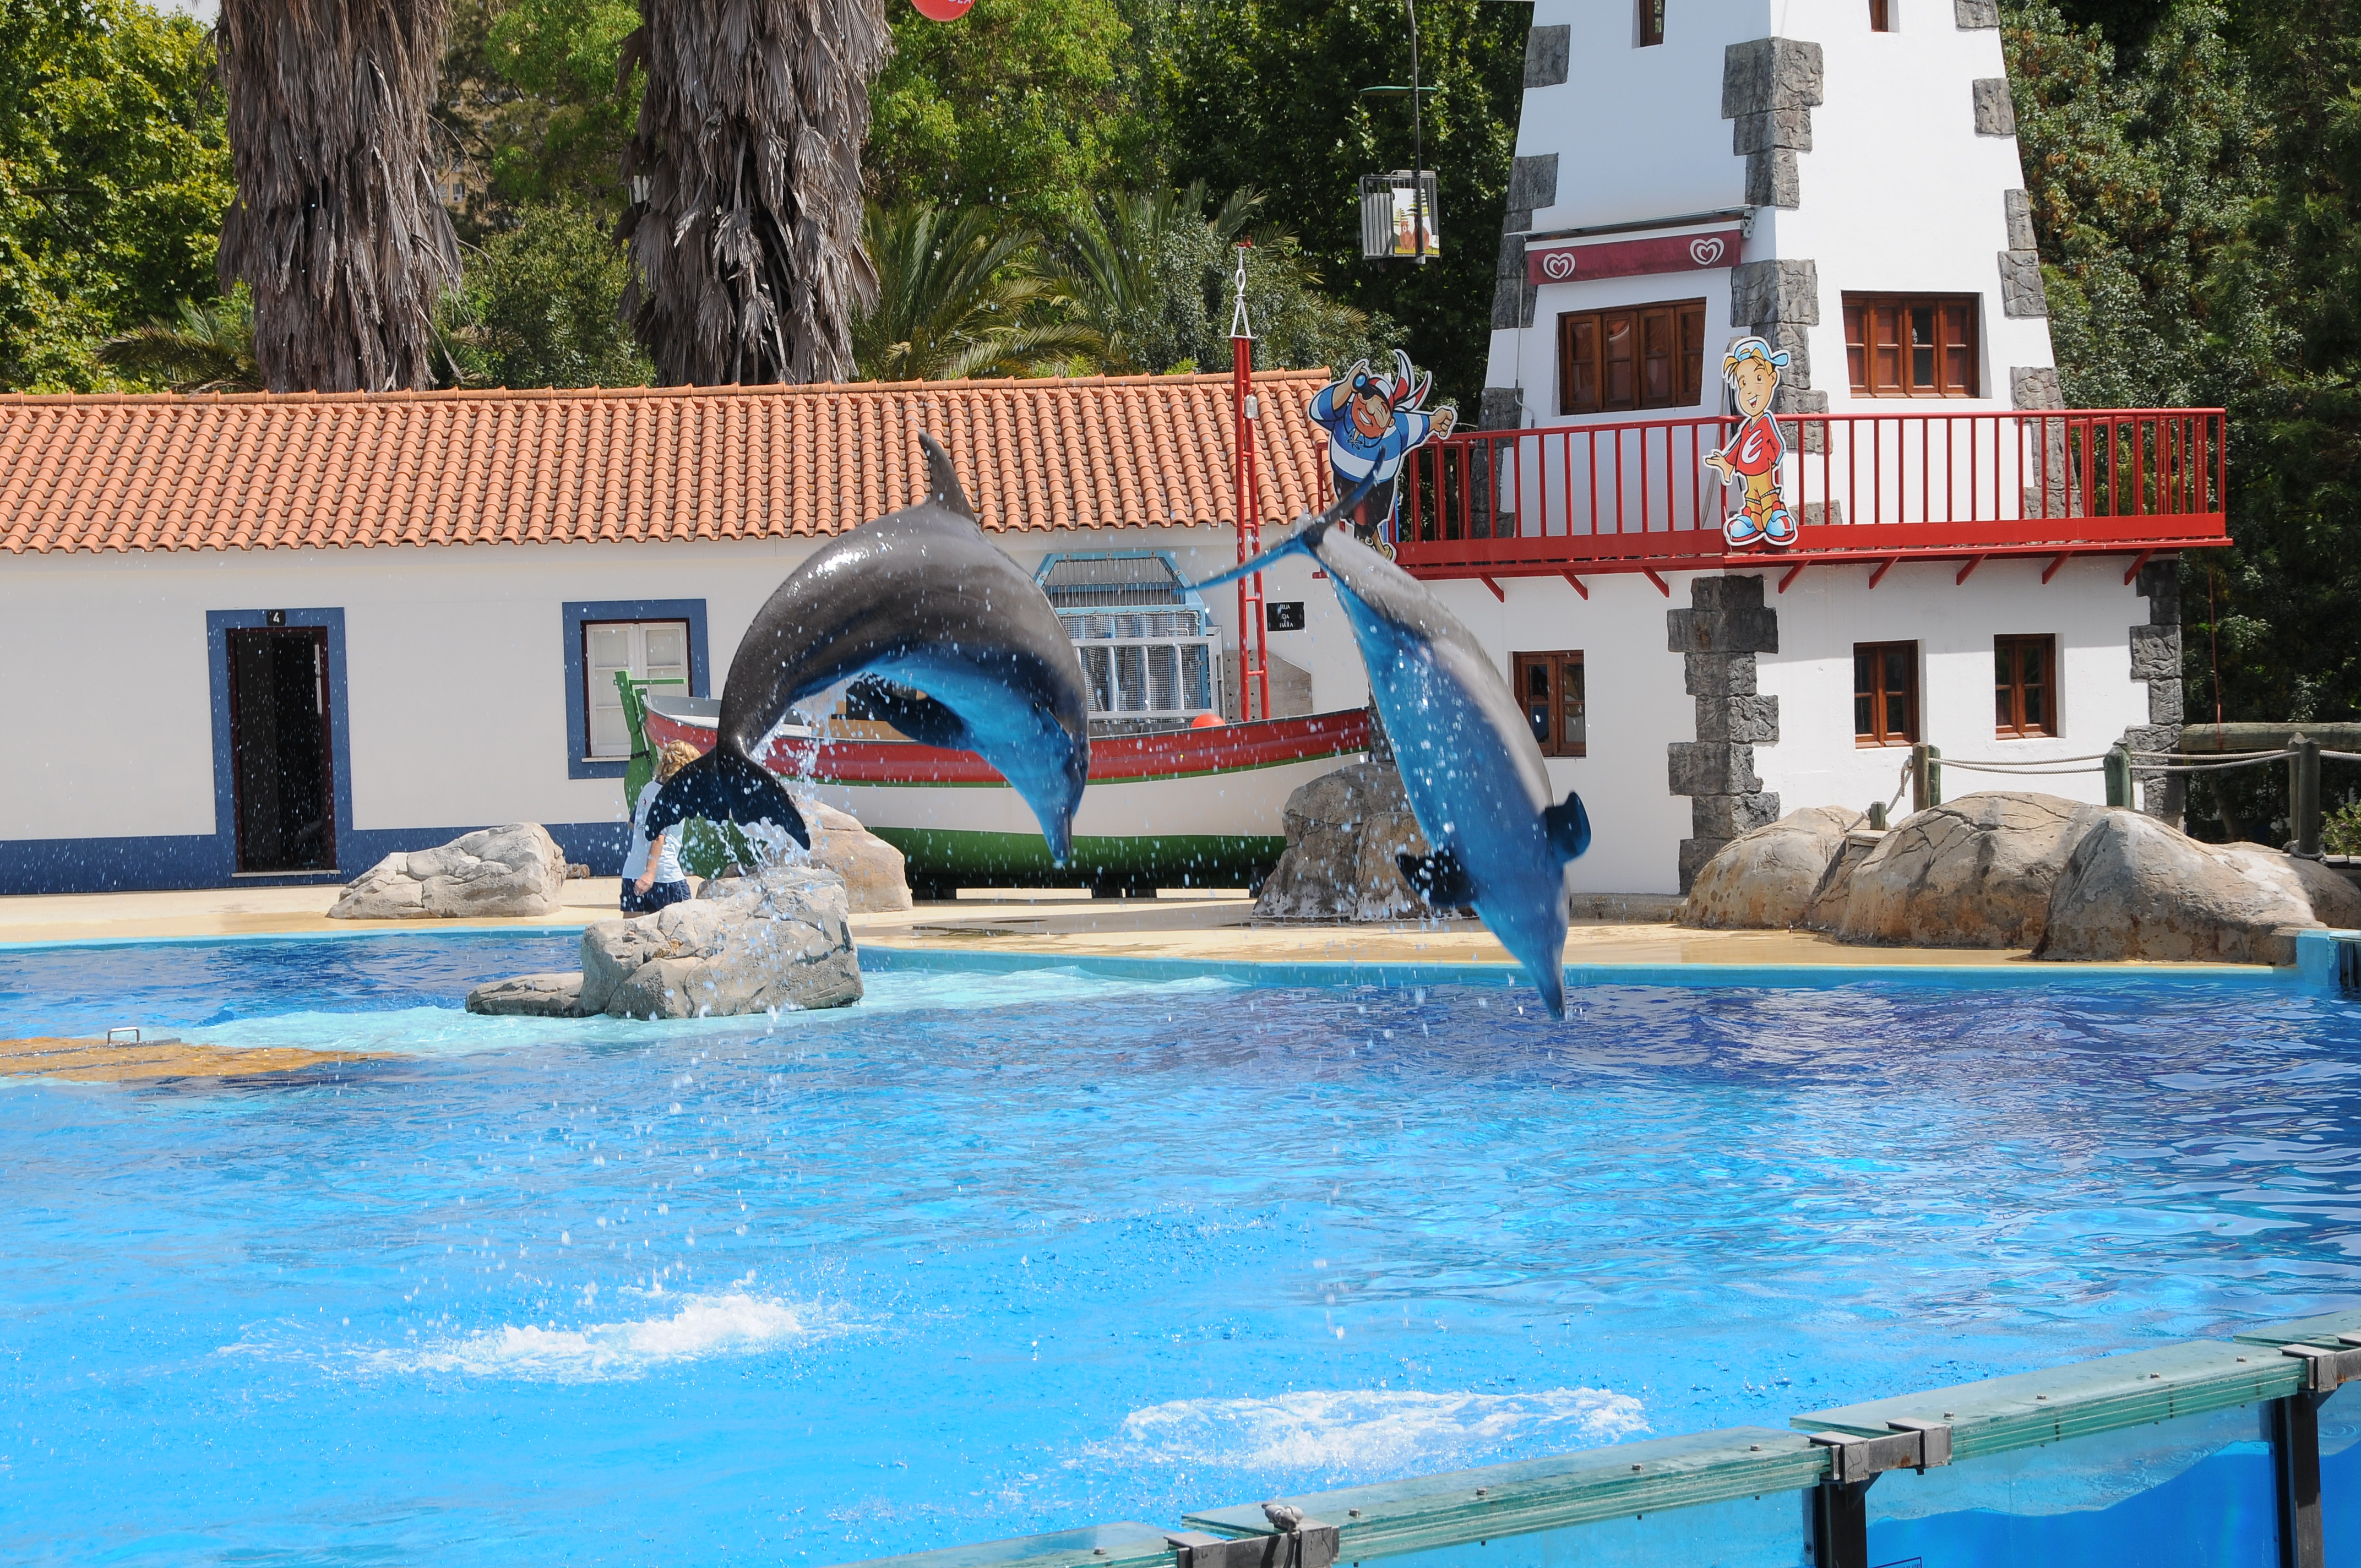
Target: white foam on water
column 1366, row 1431
column 446, row 1031
column 699, row 1327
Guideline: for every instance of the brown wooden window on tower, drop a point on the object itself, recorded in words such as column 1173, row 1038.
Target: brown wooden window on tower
column 1911, row 345
column 1550, row 687
column 2025, row 686
column 1641, row 357
column 1885, row 694
column 1881, row 16
column 1651, row 22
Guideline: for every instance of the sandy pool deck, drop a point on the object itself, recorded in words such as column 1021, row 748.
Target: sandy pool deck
column 1206, row 925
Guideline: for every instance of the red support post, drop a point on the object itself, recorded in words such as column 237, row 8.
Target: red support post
column 1254, row 664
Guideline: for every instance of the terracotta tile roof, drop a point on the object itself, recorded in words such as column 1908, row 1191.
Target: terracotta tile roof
column 119, row 473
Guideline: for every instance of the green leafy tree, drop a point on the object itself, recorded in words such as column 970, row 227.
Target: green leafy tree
column 114, row 172
column 1021, row 104
column 534, row 108
column 960, row 292
column 1266, row 93
column 540, row 308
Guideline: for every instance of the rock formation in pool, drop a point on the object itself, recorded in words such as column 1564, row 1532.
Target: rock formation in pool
column 777, row 940
column 2008, row 869
column 514, row 869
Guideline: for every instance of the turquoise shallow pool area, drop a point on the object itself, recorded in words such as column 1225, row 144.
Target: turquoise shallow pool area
column 1005, row 1251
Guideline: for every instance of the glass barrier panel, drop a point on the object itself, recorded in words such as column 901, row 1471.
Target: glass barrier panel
column 2339, row 1477
column 1769, row 1532
column 2194, row 1492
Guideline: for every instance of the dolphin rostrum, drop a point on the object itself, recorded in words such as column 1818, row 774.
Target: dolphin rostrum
column 955, row 646
column 1468, row 758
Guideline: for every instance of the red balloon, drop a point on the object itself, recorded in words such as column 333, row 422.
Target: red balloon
column 942, row 10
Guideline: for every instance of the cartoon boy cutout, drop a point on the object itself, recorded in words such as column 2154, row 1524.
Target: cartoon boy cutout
column 1374, row 422
column 1754, row 452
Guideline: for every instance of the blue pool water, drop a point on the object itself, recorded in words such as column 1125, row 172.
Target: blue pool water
column 994, row 1253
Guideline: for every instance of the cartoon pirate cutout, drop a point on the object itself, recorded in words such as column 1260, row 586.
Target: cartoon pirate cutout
column 1753, row 455
column 1374, row 422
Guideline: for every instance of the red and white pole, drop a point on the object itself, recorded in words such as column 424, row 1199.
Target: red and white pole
column 1253, row 665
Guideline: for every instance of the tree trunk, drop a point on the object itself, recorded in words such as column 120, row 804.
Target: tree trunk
column 747, row 264
column 336, row 228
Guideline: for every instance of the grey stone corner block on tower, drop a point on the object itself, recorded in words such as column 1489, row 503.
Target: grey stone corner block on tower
column 1718, row 637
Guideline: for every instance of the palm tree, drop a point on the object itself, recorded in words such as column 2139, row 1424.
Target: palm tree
column 959, row 294
column 336, row 228
column 745, row 227
column 209, row 350
column 1134, row 266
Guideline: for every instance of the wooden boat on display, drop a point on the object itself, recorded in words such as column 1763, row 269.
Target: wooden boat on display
column 1190, row 806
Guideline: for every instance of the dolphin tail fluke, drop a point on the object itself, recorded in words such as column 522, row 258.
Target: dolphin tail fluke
column 1568, row 826
column 942, row 479
column 1438, row 878
column 724, row 786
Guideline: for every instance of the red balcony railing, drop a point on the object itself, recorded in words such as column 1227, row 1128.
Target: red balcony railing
column 1862, row 487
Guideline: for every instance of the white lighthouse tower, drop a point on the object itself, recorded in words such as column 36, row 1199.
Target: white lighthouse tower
column 1839, row 178
column 1716, row 613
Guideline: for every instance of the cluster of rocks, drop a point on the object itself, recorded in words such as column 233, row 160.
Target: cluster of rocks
column 2005, row 869
column 1344, row 829
column 771, row 941
column 513, row 870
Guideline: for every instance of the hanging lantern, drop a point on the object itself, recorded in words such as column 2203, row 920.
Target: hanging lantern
column 1391, row 211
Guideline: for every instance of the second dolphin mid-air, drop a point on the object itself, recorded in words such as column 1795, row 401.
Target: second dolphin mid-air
column 1468, row 761
column 953, row 645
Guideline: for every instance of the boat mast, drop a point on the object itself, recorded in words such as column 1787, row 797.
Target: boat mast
column 1254, row 664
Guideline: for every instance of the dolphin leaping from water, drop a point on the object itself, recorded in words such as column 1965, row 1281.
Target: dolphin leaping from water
column 954, row 644
column 1468, row 759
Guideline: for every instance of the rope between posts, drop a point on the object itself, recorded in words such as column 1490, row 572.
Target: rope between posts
column 2027, row 769
column 2218, row 767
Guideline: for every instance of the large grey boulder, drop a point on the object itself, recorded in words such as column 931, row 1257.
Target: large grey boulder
column 876, row 876
column 1344, row 829
column 529, row 996
column 1973, row 873
column 514, row 869
column 2135, row 888
column 1766, row 877
column 774, row 941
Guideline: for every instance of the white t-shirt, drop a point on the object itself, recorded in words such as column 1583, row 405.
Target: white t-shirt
column 636, row 862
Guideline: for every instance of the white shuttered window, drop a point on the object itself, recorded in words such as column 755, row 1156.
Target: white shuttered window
column 650, row 649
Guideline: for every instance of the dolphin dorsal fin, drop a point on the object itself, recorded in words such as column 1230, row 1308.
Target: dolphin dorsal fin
column 1568, row 826
column 942, row 479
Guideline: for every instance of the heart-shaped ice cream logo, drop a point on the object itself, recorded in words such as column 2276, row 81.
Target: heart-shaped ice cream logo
column 1707, row 251
column 1558, row 265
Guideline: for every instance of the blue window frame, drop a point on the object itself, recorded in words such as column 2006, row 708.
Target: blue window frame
column 579, row 764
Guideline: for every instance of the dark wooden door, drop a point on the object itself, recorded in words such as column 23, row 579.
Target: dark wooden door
column 282, row 767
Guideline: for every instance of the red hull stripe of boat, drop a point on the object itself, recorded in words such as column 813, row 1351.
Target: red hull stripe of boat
column 1114, row 759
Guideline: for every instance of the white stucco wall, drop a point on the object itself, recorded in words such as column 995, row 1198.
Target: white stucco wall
column 454, row 678
column 2087, row 606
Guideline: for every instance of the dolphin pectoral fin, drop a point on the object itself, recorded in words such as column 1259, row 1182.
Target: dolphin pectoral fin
column 1298, row 545
column 915, row 714
column 942, row 479
column 1568, row 826
column 1438, row 878
column 723, row 787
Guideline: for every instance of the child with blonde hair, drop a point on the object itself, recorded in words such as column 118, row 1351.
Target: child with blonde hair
column 652, row 876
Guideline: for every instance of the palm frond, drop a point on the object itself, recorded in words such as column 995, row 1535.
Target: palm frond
column 209, row 350
column 960, row 293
